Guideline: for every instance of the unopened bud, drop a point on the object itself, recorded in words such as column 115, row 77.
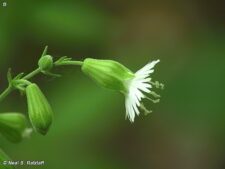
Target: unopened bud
column 40, row 111
column 12, row 126
column 45, row 63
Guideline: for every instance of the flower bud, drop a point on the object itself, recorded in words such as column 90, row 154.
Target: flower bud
column 107, row 73
column 12, row 126
column 39, row 110
column 45, row 63
column 4, row 159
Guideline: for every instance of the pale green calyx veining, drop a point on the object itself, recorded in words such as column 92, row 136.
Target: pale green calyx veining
column 107, row 73
column 39, row 109
column 135, row 86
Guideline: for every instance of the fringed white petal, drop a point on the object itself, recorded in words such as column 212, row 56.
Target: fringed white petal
column 147, row 67
column 136, row 87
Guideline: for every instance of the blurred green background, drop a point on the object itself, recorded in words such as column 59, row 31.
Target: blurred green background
column 186, row 129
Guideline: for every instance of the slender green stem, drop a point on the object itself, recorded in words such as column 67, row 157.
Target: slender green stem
column 6, row 92
column 32, row 74
column 69, row 63
column 10, row 88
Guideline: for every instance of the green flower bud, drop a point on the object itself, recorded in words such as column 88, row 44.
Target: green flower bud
column 40, row 111
column 12, row 126
column 3, row 161
column 45, row 62
column 107, row 73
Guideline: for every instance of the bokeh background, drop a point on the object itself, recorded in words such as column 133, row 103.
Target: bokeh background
column 186, row 129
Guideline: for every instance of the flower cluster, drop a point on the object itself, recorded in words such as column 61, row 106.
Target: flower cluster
column 135, row 86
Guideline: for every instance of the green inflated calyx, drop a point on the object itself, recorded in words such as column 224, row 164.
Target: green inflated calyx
column 107, row 73
column 39, row 110
column 45, row 63
column 12, row 126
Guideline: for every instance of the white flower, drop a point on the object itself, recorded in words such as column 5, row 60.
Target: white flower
column 137, row 86
column 115, row 76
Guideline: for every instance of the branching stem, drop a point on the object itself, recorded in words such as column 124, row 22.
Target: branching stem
column 30, row 75
column 6, row 92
